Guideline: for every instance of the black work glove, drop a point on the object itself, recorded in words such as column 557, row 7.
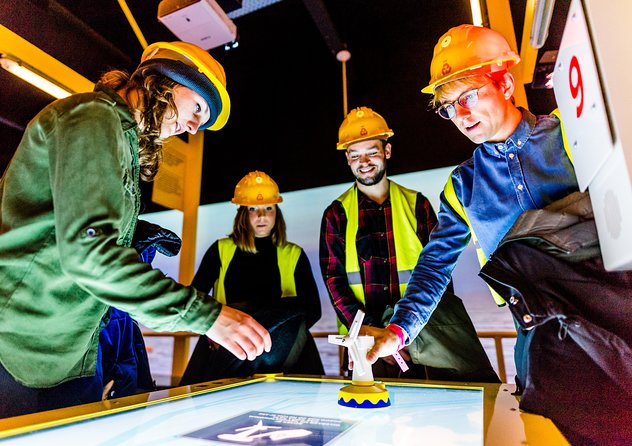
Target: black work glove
column 150, row 238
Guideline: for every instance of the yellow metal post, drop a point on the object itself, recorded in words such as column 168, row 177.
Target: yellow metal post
column 132, row 22
column 343, row 56
column 528, row 54
column 344, row 87
column 177, row 186
column 191, row 202
column 500, row 19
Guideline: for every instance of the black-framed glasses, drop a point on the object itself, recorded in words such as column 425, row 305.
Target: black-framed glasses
column 467, row 99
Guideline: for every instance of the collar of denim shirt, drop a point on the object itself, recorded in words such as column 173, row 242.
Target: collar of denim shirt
column 518, row 139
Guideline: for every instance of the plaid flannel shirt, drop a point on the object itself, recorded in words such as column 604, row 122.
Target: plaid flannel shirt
column 376, row 251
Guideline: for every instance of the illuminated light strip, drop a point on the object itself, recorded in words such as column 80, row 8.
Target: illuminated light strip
column 16, row 48
column 31, row 76
column 477, row 15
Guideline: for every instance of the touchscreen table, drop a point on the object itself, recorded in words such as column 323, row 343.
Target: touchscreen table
column 281, row 410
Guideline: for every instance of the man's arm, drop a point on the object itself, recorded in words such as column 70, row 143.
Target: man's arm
column 389, row 339
column 426, row 218
column 429, row 280
column 426, row 221
column 332, row 263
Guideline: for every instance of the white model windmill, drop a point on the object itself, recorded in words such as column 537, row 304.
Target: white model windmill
column 358, row 347
column 363, row 392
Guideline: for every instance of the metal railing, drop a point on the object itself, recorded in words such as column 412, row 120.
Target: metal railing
column 498, row 337
column 182, row 339
column 180, row 355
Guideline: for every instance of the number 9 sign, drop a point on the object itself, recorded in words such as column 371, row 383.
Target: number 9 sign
column 576, row 84
column 580, row 99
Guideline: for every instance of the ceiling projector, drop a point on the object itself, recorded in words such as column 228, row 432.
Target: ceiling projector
column 202, row 22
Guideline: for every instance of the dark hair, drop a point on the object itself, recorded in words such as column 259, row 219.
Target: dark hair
column 155, row 94
column 243, row 234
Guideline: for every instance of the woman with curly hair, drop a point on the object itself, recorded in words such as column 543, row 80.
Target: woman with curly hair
column 69, row 204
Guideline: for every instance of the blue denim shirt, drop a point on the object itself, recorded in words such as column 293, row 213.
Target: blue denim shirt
column 527, row 171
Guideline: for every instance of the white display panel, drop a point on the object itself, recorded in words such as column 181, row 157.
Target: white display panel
column 579, row 98
column 611, row 196
column 438, row 415
column 591, row 80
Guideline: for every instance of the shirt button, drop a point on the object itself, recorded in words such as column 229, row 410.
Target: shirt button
column 519, row 143
column 520, row 187
column 511, row 156
column 385, row 288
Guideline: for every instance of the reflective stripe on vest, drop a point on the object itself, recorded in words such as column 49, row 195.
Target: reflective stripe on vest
column 567, row 149
column 453, row 200
column 407, row 243
column 287, row 258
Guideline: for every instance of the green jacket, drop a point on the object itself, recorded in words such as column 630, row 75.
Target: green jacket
column 69, row 202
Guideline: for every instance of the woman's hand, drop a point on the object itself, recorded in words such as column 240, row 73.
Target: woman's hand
column 240, row 334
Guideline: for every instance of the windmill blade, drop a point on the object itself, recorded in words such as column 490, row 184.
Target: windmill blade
column 337, row 339
column 354, row 330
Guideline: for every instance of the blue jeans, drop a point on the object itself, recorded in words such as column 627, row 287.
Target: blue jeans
column 16, row 399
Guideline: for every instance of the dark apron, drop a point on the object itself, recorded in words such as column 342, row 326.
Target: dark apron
column 293, row 351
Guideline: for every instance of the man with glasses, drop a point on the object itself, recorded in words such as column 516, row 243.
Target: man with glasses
column 519, row 164
column 519, row 189
column 370, row 240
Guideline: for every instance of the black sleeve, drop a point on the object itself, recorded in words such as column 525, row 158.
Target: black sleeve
column 307, row 298
column 208, row 272
column 426, row 218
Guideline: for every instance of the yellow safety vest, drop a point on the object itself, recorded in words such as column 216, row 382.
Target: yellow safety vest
column 455, row 203
column 287, row 258
column 407, row 243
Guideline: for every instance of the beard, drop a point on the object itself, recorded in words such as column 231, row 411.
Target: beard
column 370, row 181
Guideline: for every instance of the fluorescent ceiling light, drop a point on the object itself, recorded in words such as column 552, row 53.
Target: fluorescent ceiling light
column 541, row 22
column 32, row 76
column 477, row 16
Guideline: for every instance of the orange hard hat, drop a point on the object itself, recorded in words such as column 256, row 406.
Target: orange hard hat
column 361, row 124
column 256, row 188
column 468, row 50
column 191, row 66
